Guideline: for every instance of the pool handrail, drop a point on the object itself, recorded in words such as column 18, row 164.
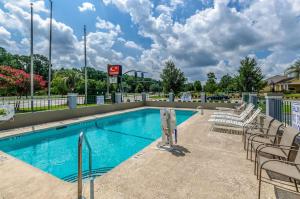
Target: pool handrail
column 82, row 138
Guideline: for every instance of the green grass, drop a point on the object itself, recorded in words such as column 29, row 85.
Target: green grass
column 295, row 95
column 2, row 112
column 156, row 97
column 45, row 108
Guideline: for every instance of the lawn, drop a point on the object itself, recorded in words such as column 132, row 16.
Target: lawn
column 57, row 107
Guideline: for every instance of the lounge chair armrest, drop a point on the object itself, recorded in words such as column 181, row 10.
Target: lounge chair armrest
column 282, row 146
column 257, row 135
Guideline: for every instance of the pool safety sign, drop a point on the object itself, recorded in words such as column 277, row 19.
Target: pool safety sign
column 296, row 115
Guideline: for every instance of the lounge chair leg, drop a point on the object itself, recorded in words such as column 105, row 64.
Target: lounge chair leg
column 295, row 181
column 247, row 150
column 251, row 151
column 255, row 169
column 259, row 185
column 256, row 166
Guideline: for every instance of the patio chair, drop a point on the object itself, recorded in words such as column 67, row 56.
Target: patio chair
column 258, row 129
column 282, row 168
column 9, row 112
column 279, row 149
column 227, row 124
column 249, row 106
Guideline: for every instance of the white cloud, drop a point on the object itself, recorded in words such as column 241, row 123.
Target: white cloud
column 213, row 39
column 216, row 38
column 67, row 48
column 38, row 5
column 4, row 33
column 132, row 44
column 86, row 6
column 106, row 25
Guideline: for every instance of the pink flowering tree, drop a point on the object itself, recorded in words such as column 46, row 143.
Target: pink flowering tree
column 17, row 82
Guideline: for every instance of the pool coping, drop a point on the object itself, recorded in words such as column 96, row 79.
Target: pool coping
column 37, row 128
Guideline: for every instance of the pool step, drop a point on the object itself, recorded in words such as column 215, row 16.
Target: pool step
column 85, row 174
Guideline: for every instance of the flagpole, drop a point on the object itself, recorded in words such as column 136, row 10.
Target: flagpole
column 50, row 56
column 31, row 56
column 85, row 69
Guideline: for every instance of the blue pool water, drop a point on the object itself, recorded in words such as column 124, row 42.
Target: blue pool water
column 113, row 139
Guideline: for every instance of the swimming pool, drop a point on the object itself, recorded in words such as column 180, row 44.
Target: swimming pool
column 113, row 140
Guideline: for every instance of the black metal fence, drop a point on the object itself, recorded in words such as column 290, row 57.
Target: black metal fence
column 43, row 103
column 277, row 107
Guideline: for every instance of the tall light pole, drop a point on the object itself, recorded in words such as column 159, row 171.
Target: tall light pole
column 31, row 56
column 85, row 69
column 50, row 54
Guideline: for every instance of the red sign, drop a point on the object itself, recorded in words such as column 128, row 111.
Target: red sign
column 114, row 70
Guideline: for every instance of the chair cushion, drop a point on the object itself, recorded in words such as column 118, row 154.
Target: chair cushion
column 280, row 168
column 274, row 151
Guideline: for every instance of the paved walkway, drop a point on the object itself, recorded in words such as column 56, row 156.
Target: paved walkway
column 207, row 165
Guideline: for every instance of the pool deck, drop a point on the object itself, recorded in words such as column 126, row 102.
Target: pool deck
column 206, row 165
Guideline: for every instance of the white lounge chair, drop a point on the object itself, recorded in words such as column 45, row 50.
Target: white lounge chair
column 237, row 108
column 242, row 117
column 227, row 124
column 9, row 112
column 249, row 106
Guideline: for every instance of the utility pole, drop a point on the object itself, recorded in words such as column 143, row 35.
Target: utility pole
column 85, row 69
column 50, row 54
column 31, row 56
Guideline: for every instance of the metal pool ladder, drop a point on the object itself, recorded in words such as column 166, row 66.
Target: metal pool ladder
column 82, row 138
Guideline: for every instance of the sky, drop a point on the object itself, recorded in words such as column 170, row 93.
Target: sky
column 200, row 36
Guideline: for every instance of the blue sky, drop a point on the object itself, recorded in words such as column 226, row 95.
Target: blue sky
column 200, row 36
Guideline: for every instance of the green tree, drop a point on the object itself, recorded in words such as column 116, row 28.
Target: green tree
column 67, row 78
column 40, row 62
column 58, row 85
column 250, row 77
column 139, row 88
column 225, row 84
column 188, row 87
column 197, row 86
column 211, row 85
column 94, row 74
column 155, row 88
column 172, row 78
column 294, row 70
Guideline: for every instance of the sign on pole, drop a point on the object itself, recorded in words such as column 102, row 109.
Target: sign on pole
column 114, row 70
column 113, row 80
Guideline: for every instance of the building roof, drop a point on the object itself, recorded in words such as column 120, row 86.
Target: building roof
column 278, row 79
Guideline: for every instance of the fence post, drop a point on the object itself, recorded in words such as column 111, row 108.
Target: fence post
column 203, row 97
column 144, row 97
column 171, row 97
column 118, row 98
column 274, row 105
column 72, row 100
column 253, row 99
column 245, row 97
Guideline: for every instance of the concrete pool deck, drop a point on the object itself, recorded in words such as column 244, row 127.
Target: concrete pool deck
column 206, row 165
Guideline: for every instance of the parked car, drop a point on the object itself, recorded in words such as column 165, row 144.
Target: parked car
column 218, row 97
